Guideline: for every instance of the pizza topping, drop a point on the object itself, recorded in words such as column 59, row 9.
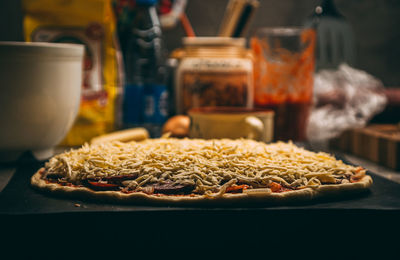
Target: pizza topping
column 98, row 185
column 194, row 166
column 54, row 176
column 275, row 187
column 360, row 173
column 172, row 188
column 237, row 188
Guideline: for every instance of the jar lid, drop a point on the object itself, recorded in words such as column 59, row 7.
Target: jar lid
column 280, row 31
column 214, row 41
column 41, row 49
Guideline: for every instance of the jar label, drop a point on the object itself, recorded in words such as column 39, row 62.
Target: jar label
column 216, row 64
column 214, row 82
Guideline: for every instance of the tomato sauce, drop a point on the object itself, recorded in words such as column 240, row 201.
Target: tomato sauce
column 290, row 121
column 284, row 84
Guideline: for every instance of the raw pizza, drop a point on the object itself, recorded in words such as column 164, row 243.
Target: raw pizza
column 193, row 172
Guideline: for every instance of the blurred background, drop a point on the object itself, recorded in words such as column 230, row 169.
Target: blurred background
column 345, row 100
column 374, row 22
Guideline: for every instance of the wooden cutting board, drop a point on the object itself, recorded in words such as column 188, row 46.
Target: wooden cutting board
column 379, row 143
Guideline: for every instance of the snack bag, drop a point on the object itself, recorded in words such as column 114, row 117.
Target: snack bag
column 88, row 22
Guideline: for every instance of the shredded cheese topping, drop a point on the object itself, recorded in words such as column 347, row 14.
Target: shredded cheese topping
column 210, row 165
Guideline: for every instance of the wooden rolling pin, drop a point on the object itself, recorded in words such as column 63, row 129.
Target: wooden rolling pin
column 128, row 135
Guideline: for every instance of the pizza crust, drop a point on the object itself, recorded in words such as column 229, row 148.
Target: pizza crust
column 263, row 197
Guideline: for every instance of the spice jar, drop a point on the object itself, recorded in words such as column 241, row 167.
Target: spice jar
column 213, row 71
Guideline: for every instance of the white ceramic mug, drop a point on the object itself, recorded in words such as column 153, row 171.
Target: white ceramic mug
column 39, row 96
column 232, row 123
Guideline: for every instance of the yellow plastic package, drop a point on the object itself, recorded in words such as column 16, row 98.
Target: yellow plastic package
column 92, row 23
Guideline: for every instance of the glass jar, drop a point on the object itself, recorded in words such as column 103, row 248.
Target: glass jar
column 213, row 71
column 284, row 77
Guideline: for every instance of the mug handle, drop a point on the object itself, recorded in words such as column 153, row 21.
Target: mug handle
column 256, row 127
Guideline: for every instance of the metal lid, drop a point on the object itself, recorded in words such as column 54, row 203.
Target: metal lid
column 214, row 41
column 41, row 49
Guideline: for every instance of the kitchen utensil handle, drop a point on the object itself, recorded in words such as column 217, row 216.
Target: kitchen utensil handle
column 128, row 135
column 256, row 127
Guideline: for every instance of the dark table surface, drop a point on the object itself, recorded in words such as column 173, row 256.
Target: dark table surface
column 377, row 210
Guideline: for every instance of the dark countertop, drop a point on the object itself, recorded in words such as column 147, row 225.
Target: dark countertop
column 32, row 212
